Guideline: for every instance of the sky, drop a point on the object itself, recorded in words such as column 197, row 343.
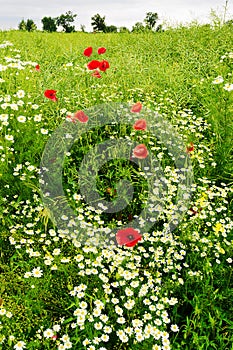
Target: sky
column 117, row 12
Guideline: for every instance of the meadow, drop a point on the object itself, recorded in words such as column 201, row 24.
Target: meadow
column 170, row 286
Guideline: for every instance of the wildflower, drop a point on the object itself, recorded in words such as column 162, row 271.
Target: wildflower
column 136, row 108
column 21, row 119
column 96, row 74
column 44, row 131
column 14, row 106
column 94, row 64
column 190, row 148
column 68, row 345
column 37, row 67
column 128, row 237
column 228, row 87
column 51, row 94
column 20, row 94
column 105, row 337
column 9, row 137
column 140, row 124
column 88, row 51
column 2, row 312
column 20, row 345
column 104, row 65
column 101, row 50
column 27, row 274
column 37, row 272
column 37, row 118
column 81, row 116
column 174, row 328
column 140, row 151
column 65, row 338
column 218, row 80
column 48, row 333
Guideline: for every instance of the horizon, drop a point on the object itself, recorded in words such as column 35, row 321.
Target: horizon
column 180, row 12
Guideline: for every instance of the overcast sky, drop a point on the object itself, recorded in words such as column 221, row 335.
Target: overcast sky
column 117, row 12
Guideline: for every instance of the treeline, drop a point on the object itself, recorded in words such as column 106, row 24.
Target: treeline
column 97, row 22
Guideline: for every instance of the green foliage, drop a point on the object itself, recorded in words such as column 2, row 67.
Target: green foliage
column 22, row 25
column 29, row 25
column 111, row 29
column 49, row 24
column 151, row 19
column 65, row 21
column 124, row 30
column 138, row 28
column 98, row 23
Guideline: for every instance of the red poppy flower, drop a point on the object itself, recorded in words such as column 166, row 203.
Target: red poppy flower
column 136, row 108
column 101, row 50
column 94, row 64
column 51, row 94
column 81, row 116
column 190, row 148
column 96, row 74
column 140, row 151
column 140, row 124
column 128, row 237
column 37, row 67
column 104, row 65
column 88, row 51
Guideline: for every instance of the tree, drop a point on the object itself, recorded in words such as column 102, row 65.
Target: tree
column 124, row 30
column 65, row 20
column 83, row 27
column 98, row 23
column 138, row 27
column 30, row 26
column 49, row 24
column 22, row 25
column 110, row 29
column 159, row 28
column 151, row 19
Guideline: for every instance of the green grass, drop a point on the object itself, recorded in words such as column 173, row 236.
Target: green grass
column 184, row 278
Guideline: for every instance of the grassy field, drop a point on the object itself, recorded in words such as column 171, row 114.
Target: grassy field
column 173, row 289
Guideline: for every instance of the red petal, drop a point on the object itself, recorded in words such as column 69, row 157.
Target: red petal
column 37, row 67
column 140, row 124
column 104, row 65
column 101, row 50
column 93, row 65
column 88, row 51
column 96, row 74
column 136, row 108
column 51, row 94
column 81, row 116
column 140, row 151
column 190, row 148
column 128, row 237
